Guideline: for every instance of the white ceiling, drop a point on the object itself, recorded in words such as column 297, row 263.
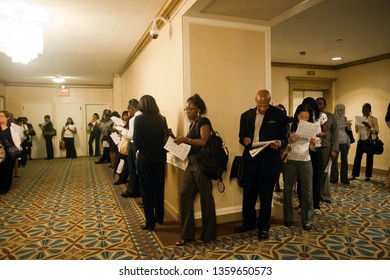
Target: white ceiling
column 88, row 41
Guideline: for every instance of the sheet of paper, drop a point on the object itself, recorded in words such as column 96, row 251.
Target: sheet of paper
column 307, row 129
column 181, row 150
column 262, row 143
column 359, row 120
column 328, row 166
column 120, row 128
column 115, row 137
column 257, row 150
column 117, row 121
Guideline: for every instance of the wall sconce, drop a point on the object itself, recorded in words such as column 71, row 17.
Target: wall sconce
column 154, row 30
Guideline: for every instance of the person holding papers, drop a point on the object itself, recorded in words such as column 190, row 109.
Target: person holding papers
column 320, row 119
column 367, row 128
column 95, row 131
column 194, row 180
column 149, row 140
column 299, row 164
column 67, row 135
column 260, row 171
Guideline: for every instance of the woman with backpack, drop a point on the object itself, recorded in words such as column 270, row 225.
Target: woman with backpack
column 194, row 180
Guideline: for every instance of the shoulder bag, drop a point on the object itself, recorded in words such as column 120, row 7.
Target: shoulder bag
column 350, row 135
column 3, row 155
column 373, row 146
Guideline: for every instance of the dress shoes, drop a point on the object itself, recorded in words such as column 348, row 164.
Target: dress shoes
column 347, row 182
column 145, row 227
column 307, row 226
column 126, row 194
column 288, row 224
column 263, row 235
column 120, row 182
column 241, row 229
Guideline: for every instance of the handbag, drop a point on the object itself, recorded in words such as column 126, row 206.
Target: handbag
column 62, row 145
column 12, row 151
column 123, row 146
column 52, row 132
column 373, row 146
column 350, row 135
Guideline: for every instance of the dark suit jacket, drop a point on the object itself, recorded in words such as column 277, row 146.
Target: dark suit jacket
column 149, row 139
column 267, row 161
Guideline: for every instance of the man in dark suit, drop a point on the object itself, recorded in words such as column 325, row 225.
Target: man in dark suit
column 263, row 123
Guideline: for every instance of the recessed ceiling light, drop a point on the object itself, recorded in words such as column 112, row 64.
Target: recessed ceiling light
column 336, row 58
column 58, row 80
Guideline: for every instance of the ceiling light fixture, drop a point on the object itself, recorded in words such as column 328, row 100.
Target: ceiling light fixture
column 336, row 58
column 20, row 36
column 58, row 80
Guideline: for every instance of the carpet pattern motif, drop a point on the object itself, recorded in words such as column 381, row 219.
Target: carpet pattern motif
column 69, row 209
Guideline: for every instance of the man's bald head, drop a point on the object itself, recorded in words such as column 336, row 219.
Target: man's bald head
column 263, row 98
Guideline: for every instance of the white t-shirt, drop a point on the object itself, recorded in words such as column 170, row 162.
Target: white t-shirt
column 68, row 133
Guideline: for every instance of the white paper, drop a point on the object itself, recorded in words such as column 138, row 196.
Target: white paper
column 121, row 128
column 117, row 121
column 359, row 120
column 181, row 150
column 106, row 144
column 328, row 166
column 262, row 143
column 257, row 150
column 115, row 137
column 307, row 129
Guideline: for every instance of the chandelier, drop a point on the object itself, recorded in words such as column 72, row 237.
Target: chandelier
column 20, row 37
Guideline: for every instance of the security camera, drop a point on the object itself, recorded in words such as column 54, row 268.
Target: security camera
column 154, row 30
column 154, row 33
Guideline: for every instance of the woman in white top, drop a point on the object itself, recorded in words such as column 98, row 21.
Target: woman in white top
column 368, row 128
column 320, row 119
column 68, row 132
column 299, row 163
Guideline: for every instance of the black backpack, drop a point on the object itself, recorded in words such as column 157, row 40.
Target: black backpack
column 213, row 157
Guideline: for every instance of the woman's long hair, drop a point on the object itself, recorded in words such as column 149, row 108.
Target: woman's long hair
column 313, row 104
column 147, row 105
column 301, row 108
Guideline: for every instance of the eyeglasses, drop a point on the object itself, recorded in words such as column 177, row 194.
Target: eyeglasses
column 189, row 109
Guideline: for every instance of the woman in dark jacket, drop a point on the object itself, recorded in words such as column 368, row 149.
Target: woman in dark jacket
column 149, row 140
column 8, row 136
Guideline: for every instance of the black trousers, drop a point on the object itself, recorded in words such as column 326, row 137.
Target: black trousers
column 358, row 161
column 152, row 181
column 263, row 189
column 49, row 147
column 6, row 170
column 134, row 186
column 94, row 137
column 70, row 149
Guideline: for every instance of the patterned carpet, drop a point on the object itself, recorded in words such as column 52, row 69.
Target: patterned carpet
column 68, row 209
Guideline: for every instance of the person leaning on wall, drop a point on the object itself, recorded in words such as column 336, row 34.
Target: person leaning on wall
column 47, row 127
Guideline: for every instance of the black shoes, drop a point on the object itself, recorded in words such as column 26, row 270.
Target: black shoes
column 367, row 179
column 241, row 229
column 145, row 227
column 125, row 194
column 347, row 182
column 307, row 226
column 263, row 235
column 119, row 182
column 352, row 178
column 288, row 224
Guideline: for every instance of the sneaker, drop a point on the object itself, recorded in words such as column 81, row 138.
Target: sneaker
column 317, row 211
